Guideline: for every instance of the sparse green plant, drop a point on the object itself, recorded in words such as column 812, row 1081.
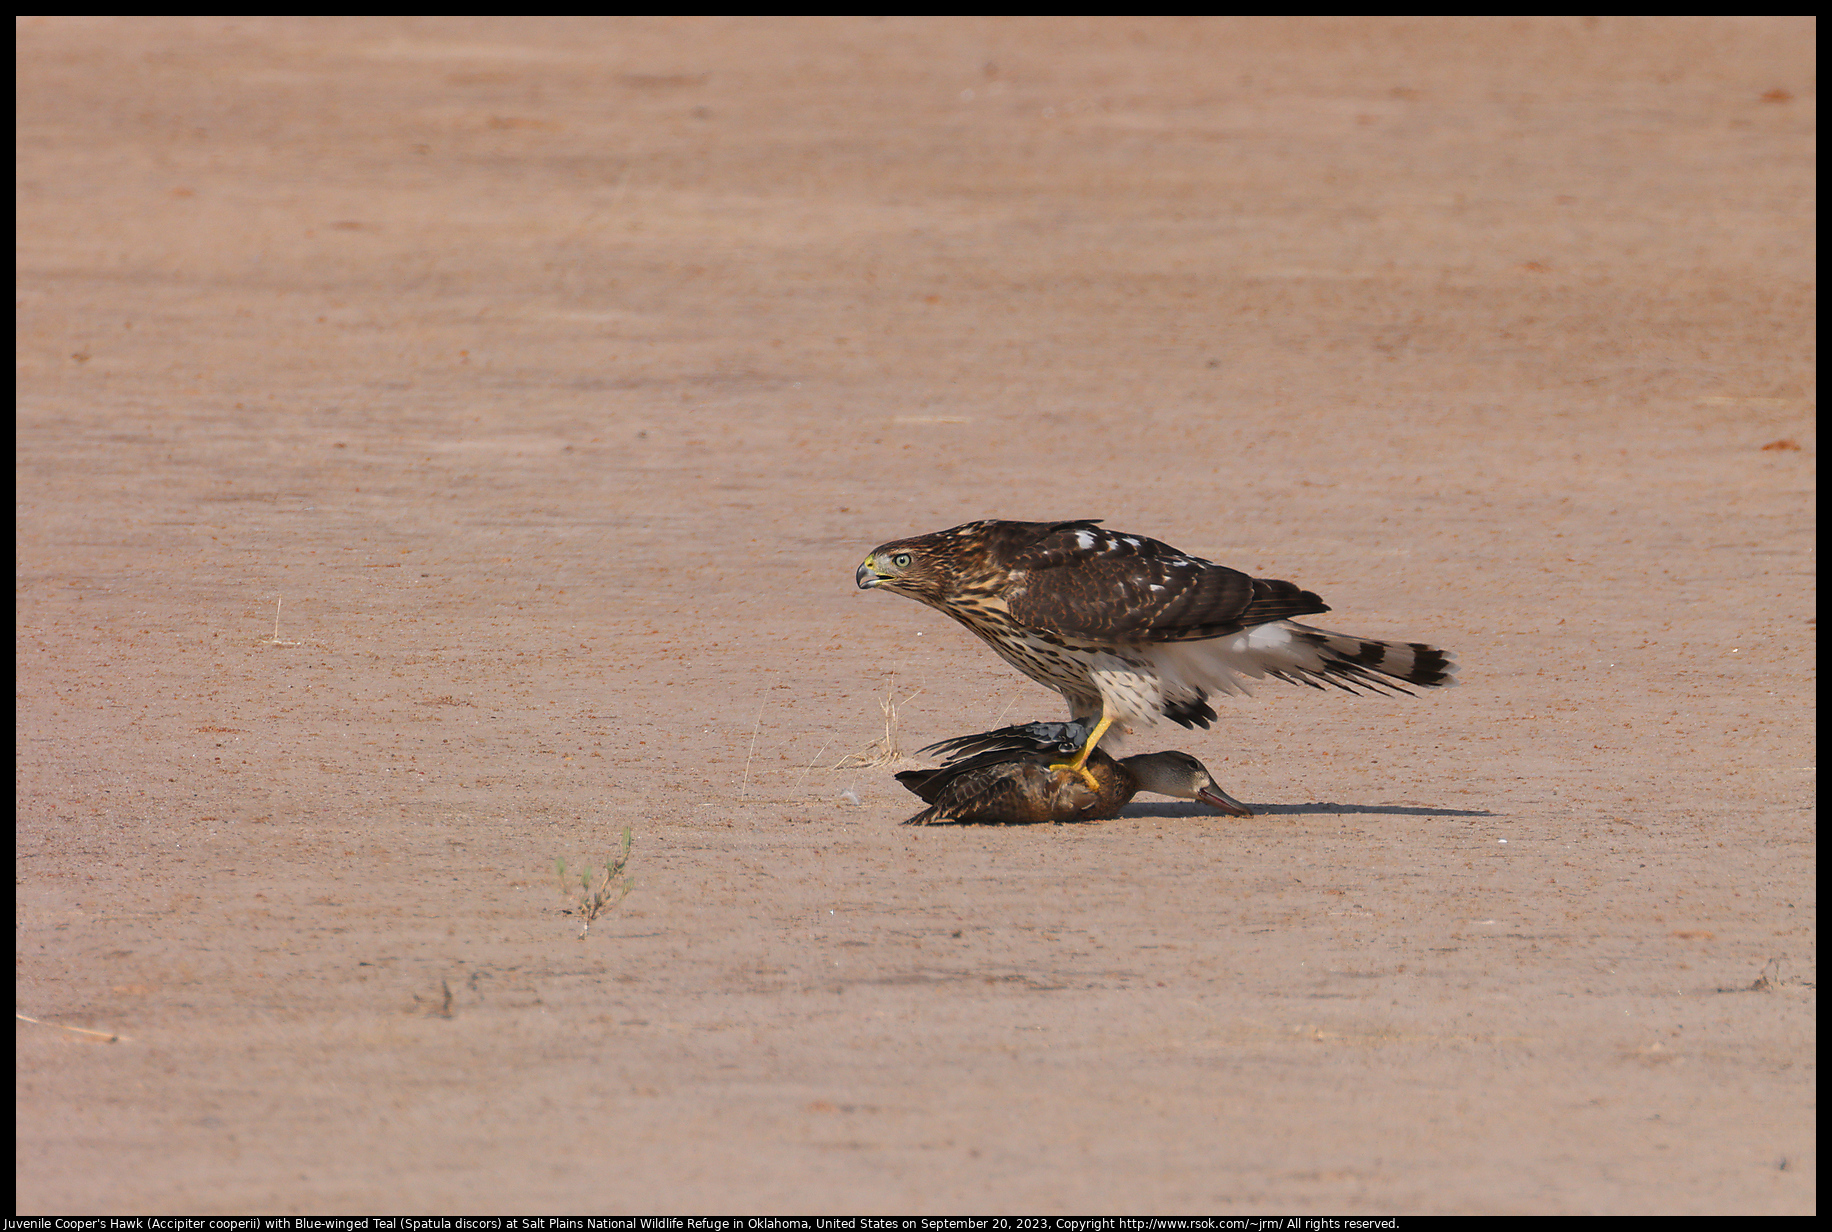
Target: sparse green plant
column 589, row 900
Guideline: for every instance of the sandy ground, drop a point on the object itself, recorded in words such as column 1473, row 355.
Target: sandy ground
column 554, row 376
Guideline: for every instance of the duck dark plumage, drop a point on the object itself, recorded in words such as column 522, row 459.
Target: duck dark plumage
column 1011, row 776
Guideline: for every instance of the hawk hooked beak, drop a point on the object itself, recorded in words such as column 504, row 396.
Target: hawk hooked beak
column 868, row 575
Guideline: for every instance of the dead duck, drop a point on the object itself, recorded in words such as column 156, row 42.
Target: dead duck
column 1009, row 776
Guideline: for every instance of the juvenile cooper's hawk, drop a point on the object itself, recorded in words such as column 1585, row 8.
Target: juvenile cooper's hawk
column 1128, row 629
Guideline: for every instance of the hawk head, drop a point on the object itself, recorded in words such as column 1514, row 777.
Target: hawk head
column 919, row 568
column 961, row 565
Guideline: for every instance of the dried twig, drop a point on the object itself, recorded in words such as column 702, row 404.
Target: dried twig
column 275, row 639
column 106, row 1037
column 744, row 786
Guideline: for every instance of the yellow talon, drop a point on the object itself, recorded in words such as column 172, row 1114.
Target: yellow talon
column 1079, row 766
column 1079, row 770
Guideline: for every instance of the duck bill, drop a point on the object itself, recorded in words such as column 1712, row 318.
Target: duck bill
column 1221, row 801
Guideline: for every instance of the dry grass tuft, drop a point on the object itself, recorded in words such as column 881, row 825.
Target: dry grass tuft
column 884, row 751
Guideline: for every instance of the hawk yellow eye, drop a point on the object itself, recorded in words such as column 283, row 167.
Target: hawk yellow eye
column 901, row 560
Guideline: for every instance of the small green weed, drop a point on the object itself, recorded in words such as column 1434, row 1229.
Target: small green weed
column 590, row 901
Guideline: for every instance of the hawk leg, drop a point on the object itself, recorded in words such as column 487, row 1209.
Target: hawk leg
column 1079, row 765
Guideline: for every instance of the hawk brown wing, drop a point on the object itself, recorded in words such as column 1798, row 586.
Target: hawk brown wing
column 1076, row 580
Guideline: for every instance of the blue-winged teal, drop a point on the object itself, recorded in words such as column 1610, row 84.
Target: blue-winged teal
column 1012, row 775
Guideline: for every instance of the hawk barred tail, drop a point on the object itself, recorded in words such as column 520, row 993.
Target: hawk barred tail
column 1130, row 630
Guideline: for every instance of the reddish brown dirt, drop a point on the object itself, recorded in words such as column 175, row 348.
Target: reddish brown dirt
column 557, row 374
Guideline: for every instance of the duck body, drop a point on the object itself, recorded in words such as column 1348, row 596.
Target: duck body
column 1018, row 787
column 1014, row 776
